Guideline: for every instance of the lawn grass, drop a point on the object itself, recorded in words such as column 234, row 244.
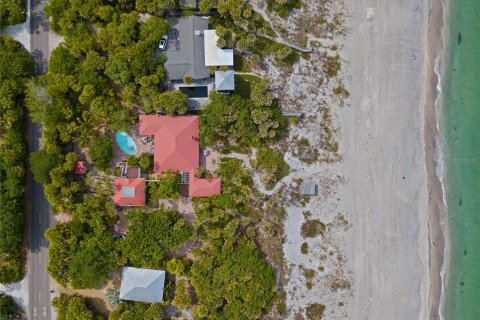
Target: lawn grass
column 243, row 84
column 240, row 64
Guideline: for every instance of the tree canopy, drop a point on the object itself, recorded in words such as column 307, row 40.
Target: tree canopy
column 233, row 283
column 101, row 151
column 150, row 234
column 82, row 251
column 129, row 310
column 12, row 12
column 239, row 122
column 16, row 65
column 41, row 163
column 73, row 307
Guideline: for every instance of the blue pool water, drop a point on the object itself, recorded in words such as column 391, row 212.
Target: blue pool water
column 126, row 143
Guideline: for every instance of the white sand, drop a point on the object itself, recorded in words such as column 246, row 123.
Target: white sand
column 380, row 185
column 384, row 159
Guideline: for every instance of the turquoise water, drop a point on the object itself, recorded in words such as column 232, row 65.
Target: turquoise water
column 460, row 126
column 126, row 143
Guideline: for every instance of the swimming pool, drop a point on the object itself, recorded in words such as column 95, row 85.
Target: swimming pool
column 126, row 143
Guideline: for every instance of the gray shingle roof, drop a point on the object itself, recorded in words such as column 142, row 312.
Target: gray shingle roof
column 224, row 80
column 144, row 285
column 186, row 48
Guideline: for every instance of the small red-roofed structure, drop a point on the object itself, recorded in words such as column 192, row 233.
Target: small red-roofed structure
column 80, row 168
column 204, row 187
column 129, row 192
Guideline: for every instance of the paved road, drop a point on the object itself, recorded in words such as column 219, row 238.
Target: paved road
column 40, row 217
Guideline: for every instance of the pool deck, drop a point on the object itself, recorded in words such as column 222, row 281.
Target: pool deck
column 119, row 155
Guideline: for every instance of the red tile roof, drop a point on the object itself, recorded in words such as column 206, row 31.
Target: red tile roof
column 203, row 187
column 129, row 192
column 176, row 144
column 80, row 167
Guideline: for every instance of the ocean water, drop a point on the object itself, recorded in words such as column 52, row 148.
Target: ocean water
column 460, row 130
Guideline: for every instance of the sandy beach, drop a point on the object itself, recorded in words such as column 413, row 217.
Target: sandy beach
column 395, row 247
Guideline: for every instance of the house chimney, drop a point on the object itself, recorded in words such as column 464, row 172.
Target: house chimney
column 198, row 33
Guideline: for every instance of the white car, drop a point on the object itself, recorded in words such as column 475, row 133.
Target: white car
column 163, row 43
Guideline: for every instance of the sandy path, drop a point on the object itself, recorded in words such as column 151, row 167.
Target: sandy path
column 386, row 194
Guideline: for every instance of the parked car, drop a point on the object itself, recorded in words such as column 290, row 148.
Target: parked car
column 163, row 43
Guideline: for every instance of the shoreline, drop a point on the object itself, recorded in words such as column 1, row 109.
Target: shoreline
column 437, row 245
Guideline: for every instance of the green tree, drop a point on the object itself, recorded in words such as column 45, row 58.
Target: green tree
column 73, row 307
column 16, row 66
column 150, row 234
column 101, row 151
column 8, row 308
column 129, row 310
column 167, row 186
column 157, row 7
column 233, row 282
column 41, row 163
column 12, row 12
column 171, row 102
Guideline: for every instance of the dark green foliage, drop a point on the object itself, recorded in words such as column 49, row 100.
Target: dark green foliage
column 150, row 234
column 15, row 66
column 283, row 8
column 166, row 187
column 171, row 103
column 239, row 122
column 41, row 163
column 157, row 7
column 9, row 309
column 239, row 64
column 101, row 151
column 244, row 84
column 12, row 12
column 145, row 161
column 82, row 251
column 61, row 189
column 271, row 166
column 73, row 307
column 233, row 283
column 129, row 310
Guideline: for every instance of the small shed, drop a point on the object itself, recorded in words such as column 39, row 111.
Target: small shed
column 308, row 188
column 144, row 285
column 225, row 80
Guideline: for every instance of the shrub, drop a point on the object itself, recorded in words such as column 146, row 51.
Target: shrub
column 187, row 79
column 304, row 248
column 315, row 311
column 313, row 228
column 271, row 166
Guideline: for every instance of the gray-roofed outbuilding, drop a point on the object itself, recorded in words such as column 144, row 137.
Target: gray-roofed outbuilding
column 308, row 189
column 225, row 80
column 186, row 48
column 145, row 285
